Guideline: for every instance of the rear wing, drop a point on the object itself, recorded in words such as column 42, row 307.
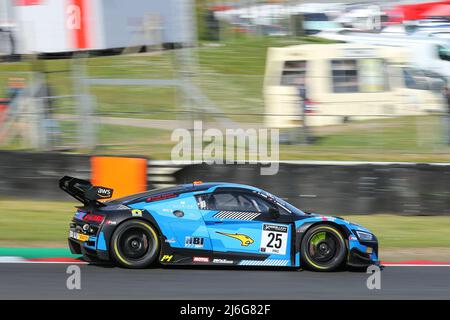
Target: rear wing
column 84, row 191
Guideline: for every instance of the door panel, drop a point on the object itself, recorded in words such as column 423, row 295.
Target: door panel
column 244, row 231
column 187, row 230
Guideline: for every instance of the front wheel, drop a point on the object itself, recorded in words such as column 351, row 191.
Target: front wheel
column 135, row 244
column 323, row 248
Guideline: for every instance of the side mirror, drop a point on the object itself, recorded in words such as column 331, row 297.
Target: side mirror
column 274, row 213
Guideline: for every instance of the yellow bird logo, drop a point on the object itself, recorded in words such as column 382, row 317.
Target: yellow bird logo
column 244, row 239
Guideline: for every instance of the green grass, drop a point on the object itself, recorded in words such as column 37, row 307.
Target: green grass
column 31, row 221
column 35, row 220
column 153, row 143
column 407, row 231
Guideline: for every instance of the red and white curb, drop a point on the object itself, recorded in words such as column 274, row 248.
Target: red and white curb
column 7, row 259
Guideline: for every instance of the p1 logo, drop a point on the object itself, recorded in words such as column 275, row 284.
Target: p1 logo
column 166, row 258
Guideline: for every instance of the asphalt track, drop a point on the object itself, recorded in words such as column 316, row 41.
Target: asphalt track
column 48, row 281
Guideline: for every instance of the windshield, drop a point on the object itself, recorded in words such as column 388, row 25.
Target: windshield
column 285, row 205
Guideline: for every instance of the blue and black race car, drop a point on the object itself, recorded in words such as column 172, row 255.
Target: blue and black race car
column 211, row 224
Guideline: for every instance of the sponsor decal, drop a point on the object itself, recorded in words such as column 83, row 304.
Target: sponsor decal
column 244, row 239
column 351, row 237
column 166, row 258
column 104, row 192
column 111, row 222
column 267, row 262
column 274, row 239
column 161, row 197
column 78, row 236
column 237, row 215
column 201, row 259
column 136, row 213
column 276, row 228
column 194, row 242
column 172, row 240
column 223, row 261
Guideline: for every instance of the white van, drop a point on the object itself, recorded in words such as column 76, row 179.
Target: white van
column 343, row 82
column 429, row 53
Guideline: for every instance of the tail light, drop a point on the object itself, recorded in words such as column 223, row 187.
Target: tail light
column 96, row 218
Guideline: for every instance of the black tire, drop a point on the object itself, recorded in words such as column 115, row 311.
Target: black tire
column 135, row 244
column 323, row 248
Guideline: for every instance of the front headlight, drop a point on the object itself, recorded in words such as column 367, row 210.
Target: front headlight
column 364, row 236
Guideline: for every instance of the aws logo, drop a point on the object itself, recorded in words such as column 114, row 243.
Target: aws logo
column 244, row 239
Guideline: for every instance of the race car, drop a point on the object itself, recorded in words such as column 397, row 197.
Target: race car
column 211, row 224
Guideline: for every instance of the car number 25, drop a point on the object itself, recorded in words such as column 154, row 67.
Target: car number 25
column 274, row 239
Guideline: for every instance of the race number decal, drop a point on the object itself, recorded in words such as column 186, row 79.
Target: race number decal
column 274, row 239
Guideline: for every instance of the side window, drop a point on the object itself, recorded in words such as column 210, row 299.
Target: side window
column 344, row 76
column 373, row 75
column 255, row 204
column 236, row 201
column 260, row 205
column 246, row 204
column 202, row 201
column 223, row 201
column 292, row 72
column 283, row 211
column 415, row 79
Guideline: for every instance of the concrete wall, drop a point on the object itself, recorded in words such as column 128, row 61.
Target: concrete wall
column 36, row 175
column 344, row 188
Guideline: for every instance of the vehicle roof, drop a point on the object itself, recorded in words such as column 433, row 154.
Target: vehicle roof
column 179, row 189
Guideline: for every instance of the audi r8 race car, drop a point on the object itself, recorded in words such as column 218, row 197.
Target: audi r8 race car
column 211, row 224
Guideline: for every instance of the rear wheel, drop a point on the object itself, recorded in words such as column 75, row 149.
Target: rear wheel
column 323, row 248
column 135, row 244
